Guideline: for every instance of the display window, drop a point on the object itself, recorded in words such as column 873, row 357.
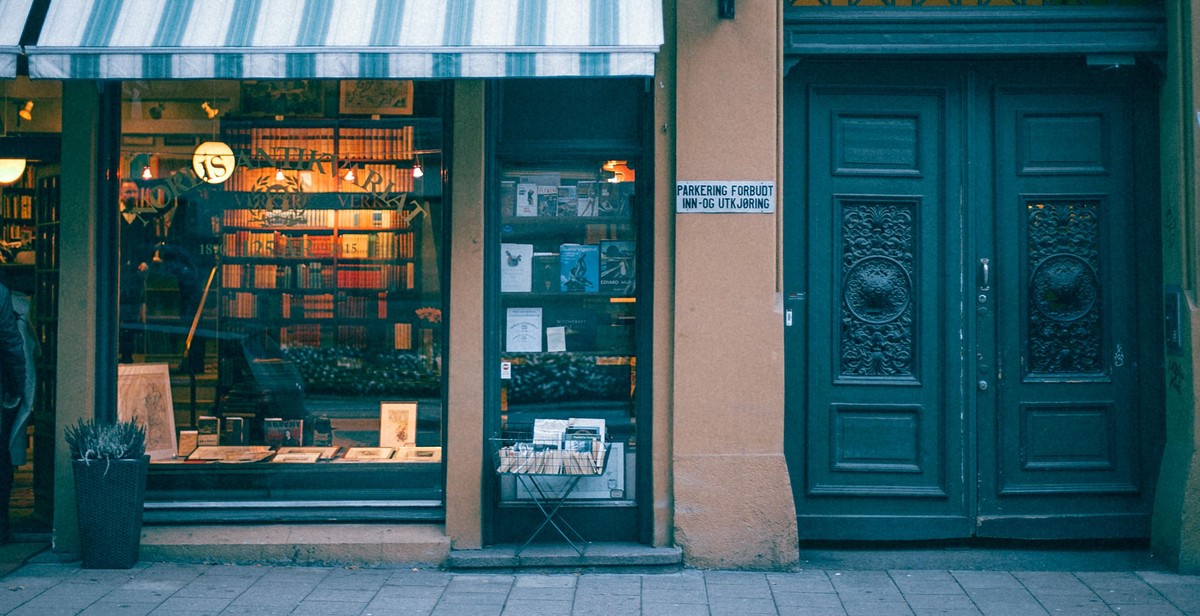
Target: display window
column 281, row 265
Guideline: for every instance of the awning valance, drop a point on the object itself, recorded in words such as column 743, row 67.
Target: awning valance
column 13, row 14
column 353, row 39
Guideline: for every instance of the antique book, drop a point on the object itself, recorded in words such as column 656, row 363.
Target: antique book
column 233, row 431
column 545, row 272
column 279, row 432
column 296, row 458
column 324, row 453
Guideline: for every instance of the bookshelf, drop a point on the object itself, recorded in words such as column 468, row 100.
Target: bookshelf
column 321, row 249
column 568, row 289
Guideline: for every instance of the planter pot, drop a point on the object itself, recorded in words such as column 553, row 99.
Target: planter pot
column 108, row 498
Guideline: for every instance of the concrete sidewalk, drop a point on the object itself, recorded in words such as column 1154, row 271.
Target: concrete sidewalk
column 43, row 587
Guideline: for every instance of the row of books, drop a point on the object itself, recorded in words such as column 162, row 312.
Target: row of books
column 389, row 277
column 268, row 276
column 399, row 337
column 607, row 267
column 376, row 245
column 362, row 143
column 17, row 206
column 276, row 244
column 322, row 219
column 586, row 198
column 385, row 143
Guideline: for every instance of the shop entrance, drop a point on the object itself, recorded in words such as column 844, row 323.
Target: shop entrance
column 972, row 278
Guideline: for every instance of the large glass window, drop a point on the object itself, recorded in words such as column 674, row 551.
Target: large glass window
column 281, row 293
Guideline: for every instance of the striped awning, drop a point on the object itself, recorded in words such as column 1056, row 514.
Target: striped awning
column 353, row 39
column 12, row 22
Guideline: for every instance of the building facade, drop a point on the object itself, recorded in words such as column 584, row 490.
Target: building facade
column 959, row 304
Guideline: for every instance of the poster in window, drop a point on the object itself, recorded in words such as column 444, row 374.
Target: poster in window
column 144, row 396
column 376, row 97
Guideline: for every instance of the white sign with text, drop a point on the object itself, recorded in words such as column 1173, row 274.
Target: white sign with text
column 715, row 197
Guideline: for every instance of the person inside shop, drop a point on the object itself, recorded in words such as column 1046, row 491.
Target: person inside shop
column 16, row 392
column 137, row 240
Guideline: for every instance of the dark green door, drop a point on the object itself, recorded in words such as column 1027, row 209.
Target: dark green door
column 962, row 284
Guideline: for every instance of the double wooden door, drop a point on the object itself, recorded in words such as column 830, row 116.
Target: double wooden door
column 970, row 283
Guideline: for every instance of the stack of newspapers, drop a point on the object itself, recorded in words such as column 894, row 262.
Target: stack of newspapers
column 557, row 447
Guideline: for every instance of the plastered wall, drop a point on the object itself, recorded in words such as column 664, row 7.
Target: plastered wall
column 733, row 499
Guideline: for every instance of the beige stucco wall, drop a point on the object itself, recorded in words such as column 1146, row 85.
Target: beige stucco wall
column 464, row 367
column 77, row 296
column 733, row 498
column 1176, row 523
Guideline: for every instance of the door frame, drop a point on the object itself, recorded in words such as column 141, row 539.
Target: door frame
column 976, row 238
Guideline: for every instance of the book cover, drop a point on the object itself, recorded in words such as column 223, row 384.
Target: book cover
column 579, row 268
column 547, row 201
column 523, row 330
column 233, row 431
column 209, row 430
column 578, row 327
column 516, row 268
column 545, row 272
column 283, row 432
column 189, row 440
column 613, row 199
column 508, row 199
column 585, row 201
column 568, row 201
column 526, row 200
column 617, row 267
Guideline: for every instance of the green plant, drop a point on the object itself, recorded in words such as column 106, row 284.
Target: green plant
column 95, row 440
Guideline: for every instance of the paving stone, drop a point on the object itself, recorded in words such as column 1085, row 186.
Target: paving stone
column 194, row 604
column 793, row 610
column 548, row 594
column 537, row 607
column 807, row 599
column 672, row 609
column 948, row 602
column 801, row 583
column 876, row 608
column 545, row 581
column 473, row 598
column 329, row 608
column 119, row 609
column 1147, row 610
column 408, row 577
column 986, row 579
column 664, row 595
column 741, row 606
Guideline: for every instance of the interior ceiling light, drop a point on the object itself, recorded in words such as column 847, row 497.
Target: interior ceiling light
column 279, row 177
column 209, row 110
column 147, row 174
column 11, row 169
column 620, row 171
column 417, row 170
column 26, row 112
column 349, row 177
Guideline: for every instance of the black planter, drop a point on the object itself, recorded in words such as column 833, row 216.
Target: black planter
column 108, row 498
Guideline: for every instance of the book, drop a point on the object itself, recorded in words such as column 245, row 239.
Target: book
column 578, row 326
column 208, row 430
column 189, row 440
column 547, row 201
column 368, row 454
column 579, row 268
column 585, row 198
column 516, row 268
column 508, row 199
column 523, row 330
column 527, row 204
column 548, row 433
column 218, row 452
column 545, row 272
column 419, row 454
column 614, row 199
column 242, row 457
column 296, row 457
column 617, row 261
column 397, row 424
column 279, row 432
column 323, row 453
column 568, row 201
column 233, row 431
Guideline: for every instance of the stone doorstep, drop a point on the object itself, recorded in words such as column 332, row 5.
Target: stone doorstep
column 298, row 544
column 609, row 556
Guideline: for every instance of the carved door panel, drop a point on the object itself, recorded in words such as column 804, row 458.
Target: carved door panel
column 962, row 273
column 1061, row 441
column 884, row 436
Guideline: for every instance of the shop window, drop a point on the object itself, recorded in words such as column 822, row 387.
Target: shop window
column 281, row 293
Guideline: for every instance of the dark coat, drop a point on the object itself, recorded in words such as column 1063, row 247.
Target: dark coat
column 12, row 358
column 17, row 438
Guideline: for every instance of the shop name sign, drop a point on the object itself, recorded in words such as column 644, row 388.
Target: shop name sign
column 717, row 197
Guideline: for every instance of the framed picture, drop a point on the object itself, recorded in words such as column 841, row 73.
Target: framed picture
column 292, row 97
column 376, row 97
column 397, row 424
column 144, row 396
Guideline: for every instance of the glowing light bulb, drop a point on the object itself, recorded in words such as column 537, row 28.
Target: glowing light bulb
column 147, row 174
column 349, row 177
column 279, row 177
column 417, row 170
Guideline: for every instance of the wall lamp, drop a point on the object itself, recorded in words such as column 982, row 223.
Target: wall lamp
column 26, row 112
column 725, row 9
column 209, row 110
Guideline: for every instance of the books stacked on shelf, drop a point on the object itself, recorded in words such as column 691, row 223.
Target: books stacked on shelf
column 293, row 336
column 319, row 306
column 314, row 276
column 402, row 336
column 354, row 336
column 240, row 305
column 351, row 307
column 376, row 143
column 376, row 245
column 17, row 206
column 275, row 142
column 391, row 277
column 579, row 268
column 253, row 219
column 370, row 219
column 383, row 178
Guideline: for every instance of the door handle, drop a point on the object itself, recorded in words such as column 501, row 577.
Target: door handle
column 985, row 274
